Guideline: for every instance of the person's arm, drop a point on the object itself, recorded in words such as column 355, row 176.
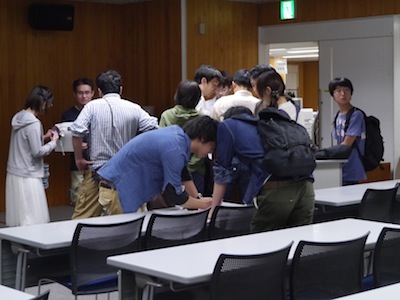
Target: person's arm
column 349, row 140
column 184, row 199
column 355, row 129
column 222, row 168
column 191, row 189
column 81, row 163
column 35, row 139
column 146, row 122
column 194, row 203
column 218, row 196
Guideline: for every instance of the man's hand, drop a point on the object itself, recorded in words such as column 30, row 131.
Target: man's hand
column 82, row 164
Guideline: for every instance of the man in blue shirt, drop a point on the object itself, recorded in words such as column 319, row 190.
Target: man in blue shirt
column 341, row 89
column 155, row 162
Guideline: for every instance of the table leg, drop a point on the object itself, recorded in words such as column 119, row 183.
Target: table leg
column 126, row 286
column 20, row 272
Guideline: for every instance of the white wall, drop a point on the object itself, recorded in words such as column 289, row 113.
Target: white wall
column 362, row 50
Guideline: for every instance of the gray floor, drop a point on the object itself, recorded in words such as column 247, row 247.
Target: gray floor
column 58, row 292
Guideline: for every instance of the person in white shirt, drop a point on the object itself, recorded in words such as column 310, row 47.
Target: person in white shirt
column 242, row 96
column 271, row 88
column 208, row 79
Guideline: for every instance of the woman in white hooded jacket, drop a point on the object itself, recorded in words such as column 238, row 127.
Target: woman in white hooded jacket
column 26, row 202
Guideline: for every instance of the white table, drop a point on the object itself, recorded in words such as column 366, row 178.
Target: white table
column 349, row 195
column 390, row 292
column 56, row 237
column 12, row 294
column 194, row 263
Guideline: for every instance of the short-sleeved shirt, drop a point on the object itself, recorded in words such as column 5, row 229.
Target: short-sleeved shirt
column 147, row 164
column 110, row 122
column 353, row 170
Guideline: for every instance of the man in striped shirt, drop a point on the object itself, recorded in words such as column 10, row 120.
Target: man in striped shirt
column 110, row 122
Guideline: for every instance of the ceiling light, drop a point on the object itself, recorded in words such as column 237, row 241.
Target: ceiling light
column 303, row 51
column 300, row 56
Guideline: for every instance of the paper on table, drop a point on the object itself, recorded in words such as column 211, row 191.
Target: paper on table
column 64, row 143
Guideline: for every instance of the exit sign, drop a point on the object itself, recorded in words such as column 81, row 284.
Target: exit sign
column 287, row 10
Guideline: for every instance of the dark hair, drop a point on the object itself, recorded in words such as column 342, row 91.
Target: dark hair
column 109, row 82
column 187, row 94
column 37, row 96
column 237, row 110
column 242, row 78
column 203, row 128
column 340, row 81
column 273, row 80
column 82, row 81
column 208, row 72
column 257, row 70
column 225, row 80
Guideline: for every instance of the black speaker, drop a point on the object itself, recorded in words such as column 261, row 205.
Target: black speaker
column 43, row 16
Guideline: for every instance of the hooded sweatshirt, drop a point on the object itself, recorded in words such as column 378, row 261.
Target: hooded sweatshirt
column 25, row 157
column 179, row 115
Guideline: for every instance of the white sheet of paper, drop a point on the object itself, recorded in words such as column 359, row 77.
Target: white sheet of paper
column 64, row 144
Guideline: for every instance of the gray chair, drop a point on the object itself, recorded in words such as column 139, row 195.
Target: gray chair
column 227, row 221
column 386, row 264
column 327, row 270
column 377, row 205
column 90, row 247
column 171, row 230
column 396, row 205
column 250, row 277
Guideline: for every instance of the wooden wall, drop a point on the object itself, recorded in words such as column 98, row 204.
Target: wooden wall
column 230, row 41
column 143, row 42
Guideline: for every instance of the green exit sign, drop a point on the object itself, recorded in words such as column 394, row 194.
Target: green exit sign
column 287, row 10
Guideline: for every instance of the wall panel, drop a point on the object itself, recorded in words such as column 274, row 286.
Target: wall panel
column 135, row 39
column 230, row 39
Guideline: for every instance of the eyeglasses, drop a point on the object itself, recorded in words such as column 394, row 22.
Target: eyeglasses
column 84, row 93
column 342, row 90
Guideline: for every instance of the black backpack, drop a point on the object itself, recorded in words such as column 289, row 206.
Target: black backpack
column 374, row 147
column 289, row 151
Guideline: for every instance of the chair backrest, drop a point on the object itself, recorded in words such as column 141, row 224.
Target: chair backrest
column 93, row 243
column 376, row 205
column 171, row 230
column 386, row 264
column 396, row 205
column 251, row 277
column 327, row 270
column 230, row 221
column 43, row 296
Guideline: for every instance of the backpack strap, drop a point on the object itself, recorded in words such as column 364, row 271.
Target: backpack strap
column 346, row 126
column 348, row 117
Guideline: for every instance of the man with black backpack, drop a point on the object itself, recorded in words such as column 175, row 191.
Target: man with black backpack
column 349, row 131
column 280, row 157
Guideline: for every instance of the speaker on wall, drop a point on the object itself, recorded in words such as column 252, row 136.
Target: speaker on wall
column 44, row 16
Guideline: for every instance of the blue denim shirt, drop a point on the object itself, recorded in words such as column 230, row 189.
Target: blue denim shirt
column 240, row 139
column 146, row 164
